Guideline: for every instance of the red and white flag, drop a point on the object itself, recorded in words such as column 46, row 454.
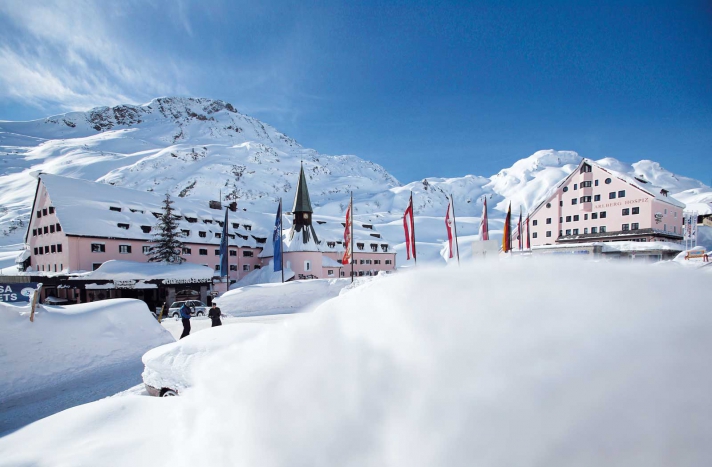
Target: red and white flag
column 484, row 227
column 450, row 225
column 409, row 229
column 347, row 238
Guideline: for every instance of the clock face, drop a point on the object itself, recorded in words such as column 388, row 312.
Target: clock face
column 306, row 215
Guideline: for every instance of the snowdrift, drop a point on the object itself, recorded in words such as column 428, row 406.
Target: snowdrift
column 70, row 343
column 288, row 297
column 503, row 364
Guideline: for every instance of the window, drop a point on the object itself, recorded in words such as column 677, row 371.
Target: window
column 602, row 214
column 34, row 232
column 46, row 249
column 233, row 267
column 625, row 227
column 534, row 235
column 359, row 246
column 45, row 229
column 634, row 226
column 53, row 249
column 576, row 218
column 39, row 214
column 594, row 230
column 594, row 215
column 608, row 181
column 575, row 186
column 561, row 232
column 217, row 267
column 585, row 230
column 203, row 252
column 586, row 184
column 98, row 248
column 612, row 195
column 191, row 220
column 585, row 217
column 186, row 250
column 124, row 248
column 363, row 261
column 548, row 233
column 389, row 261
column 674, row 229
column 123, row 226
column 217, row 252
column 548, row 205
column 596, row 183
column 368, row 261
column 602, row 229
column 233, row 252
column 568, row 231
column 44, row 211
column 585, row 199
column 548, row 220
column 307, row 265
column 146, row 228
column 114, row 208
column 235, row 225
column 146, row 249
column 585, row 168
column 376, row 261
column 626, row 211
column 574, row 201
column 59, row 227
column 666, row 211
column 568, row 218
column 637, row 211
column 561, row 203
column 576, row 231
column 247, row 227
column 621, row 194
column 664, row 228
column 202, row 234
column 51, row 209
column 534, row 222
column 51, row 229
column 565, row 189
column 39, row 251
column 247, row 253
column 597, row 197
column 186, row 233
column 218, row 235
column 95, row 266
column 59, row 248
column 561, row 219
column 330, row 272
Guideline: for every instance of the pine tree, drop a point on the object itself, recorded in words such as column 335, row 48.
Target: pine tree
column 168, row 247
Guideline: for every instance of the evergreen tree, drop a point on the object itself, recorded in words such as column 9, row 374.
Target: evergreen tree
column 168, row 247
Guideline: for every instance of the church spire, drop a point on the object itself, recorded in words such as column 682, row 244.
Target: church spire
column 302, row 203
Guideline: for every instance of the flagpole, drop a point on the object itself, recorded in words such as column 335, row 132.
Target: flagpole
column 351, row 242
column 454, row 222
column 281, row 253
column 412, row 227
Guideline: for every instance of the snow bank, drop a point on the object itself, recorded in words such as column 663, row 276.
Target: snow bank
column 288, row 297
column 265, row 275
column 503, row 364
column 67, row 343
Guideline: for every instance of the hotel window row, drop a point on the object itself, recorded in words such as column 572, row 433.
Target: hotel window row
column 45, row 211
column 47, row 249
column 47, row 229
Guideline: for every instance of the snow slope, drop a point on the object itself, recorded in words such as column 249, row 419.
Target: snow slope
column 453, row 367
column 70, row 346
column 203, row 149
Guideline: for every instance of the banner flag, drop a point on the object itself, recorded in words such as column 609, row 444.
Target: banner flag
column 484, row 223
column 348, row 248
column 277, row 239
column 223, row 248
column 450, row 224
column 409, row 229
column 507, row 232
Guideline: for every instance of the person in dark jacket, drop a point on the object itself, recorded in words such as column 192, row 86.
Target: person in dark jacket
column 214, row 315
column 185, row 317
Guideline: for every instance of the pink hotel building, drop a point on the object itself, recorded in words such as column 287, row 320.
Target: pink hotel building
column 77, row 225
column 594, row 204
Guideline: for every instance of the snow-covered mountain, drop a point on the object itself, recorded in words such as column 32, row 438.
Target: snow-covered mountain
column 205, row 149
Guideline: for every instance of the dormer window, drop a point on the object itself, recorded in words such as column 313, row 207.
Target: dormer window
column 321, row 222
column 146, row 228
column 384, row 248
column 123, row 226
column 249, row 227
column 585, row 168
column 232, row 237
column 51, row 209
column 114, row 208
column 186, row 233
column 664, row 192
column 136, row 210
column 192, row 220
column 331, row 244
column 235, row 225
column 208, row 221
column 157, row 215
column 360, row 246
column 374, row 247
column 375, row 235
column 218, row 235
column 221, row 223
column 202, row 234
column 260, row 239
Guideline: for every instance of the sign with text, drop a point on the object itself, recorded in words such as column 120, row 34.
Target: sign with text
column 17, row 293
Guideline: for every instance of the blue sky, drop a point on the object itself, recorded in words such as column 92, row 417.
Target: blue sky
column 423, row 88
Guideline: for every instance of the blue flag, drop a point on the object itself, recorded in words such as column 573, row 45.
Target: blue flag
column 223, row 249
column 277, row 239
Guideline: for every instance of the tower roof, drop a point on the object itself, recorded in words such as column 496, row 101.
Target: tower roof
column 302, row 203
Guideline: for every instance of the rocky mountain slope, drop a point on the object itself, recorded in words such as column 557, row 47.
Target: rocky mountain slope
column 205, row 149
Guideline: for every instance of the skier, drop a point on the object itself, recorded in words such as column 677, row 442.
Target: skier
column 185, row 316
column 214, row 315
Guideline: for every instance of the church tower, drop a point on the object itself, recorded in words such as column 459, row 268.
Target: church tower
column 302, row 227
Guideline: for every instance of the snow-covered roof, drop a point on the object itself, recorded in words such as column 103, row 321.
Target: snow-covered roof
column 88, row 208
column 327, row 262
column 133, row 270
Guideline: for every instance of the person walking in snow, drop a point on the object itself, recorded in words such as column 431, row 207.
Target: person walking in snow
column 185, row 317
column 214, row 314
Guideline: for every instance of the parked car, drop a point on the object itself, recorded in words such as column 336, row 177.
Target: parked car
column 197, row 308
column 168, row 369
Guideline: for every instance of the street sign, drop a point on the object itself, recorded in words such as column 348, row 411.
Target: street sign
column 17, row 293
